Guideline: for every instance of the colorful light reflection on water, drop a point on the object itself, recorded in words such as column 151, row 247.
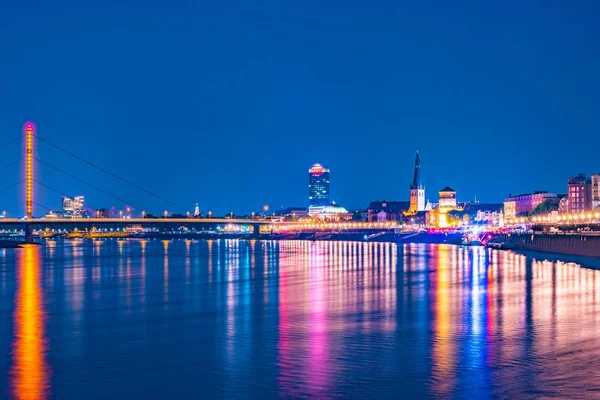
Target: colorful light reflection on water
column 29, row 373
column 236, row 319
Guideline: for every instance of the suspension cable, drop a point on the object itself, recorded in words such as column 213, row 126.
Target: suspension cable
column 10, row 164
column 84, row 182
column 40, row 205
column 110, row 173
column 59, row 192
column 10, row 142
column 13, row 207
column 11, row 186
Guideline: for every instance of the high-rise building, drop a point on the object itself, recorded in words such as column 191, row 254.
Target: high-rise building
column 72, row 207
column 417, row 190
column 580, row 194
column 596, row 191
column 318, row 188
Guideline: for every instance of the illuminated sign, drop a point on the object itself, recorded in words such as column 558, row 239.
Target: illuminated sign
column 317, row 169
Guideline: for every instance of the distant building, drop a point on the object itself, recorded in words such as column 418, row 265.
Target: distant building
column 523, row 204
column 482, row 214
column 72, row 207
column 360, row 215
column 417, row 190
column 563, row 203
column 292, row 213
column 595, row 191
column 318, row 188
column 439, row 216
column 102, row 213
column 53, row 215
column 333, row 213
column 580, row 194
column 382, row 211
column 447, row 198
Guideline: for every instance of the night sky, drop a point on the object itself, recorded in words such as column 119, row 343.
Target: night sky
column 229, row 103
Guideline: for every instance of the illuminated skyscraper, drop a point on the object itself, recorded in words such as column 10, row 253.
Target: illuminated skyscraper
column 318, row 188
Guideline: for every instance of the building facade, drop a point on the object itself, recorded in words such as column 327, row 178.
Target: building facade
column 72, row 207
column 563, row 204
column 382, row 211
column 318, row 188
column 439, row 216
column 580, row 194
column 595, row 191
column 523, row 204
column 490, row 214
column 417, row 190
column 447, row 198
column 333, row 213
column 292, row 213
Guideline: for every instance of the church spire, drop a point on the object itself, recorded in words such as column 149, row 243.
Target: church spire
column 416, row 183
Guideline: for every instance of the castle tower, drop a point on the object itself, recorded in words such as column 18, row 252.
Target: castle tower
column 417, row 190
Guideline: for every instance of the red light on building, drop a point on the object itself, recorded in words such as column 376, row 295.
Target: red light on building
column 317, row 169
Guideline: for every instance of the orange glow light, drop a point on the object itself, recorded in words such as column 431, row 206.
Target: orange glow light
column 29, row 169
column 30, row 373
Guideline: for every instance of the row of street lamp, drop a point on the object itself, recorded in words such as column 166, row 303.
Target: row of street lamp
column 578, row 218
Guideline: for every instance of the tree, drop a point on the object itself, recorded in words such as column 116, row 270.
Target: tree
column 544, row 208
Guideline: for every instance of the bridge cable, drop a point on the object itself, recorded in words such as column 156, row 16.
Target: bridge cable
column 10, row 142
column 10, row 164
column 12, row 208
column 40, row 205
column 59, row 192
column 11, row 186
column 110, row 173
column 84, row 182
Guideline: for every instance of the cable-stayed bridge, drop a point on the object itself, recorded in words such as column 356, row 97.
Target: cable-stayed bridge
column 27, row 188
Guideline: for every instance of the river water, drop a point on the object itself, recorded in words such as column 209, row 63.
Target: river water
column 242, row 319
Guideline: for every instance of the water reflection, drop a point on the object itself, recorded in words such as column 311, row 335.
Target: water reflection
column 297, row 319
column 30, row 373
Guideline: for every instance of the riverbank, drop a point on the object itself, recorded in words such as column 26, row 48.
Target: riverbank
column 572, row 245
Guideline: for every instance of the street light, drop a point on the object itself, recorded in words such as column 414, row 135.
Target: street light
column 252, row 214
column 143, row 214
column 210, row 214
column 166, row 213
column 120, row 214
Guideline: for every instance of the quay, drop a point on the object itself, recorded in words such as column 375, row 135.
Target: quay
column 585, row 244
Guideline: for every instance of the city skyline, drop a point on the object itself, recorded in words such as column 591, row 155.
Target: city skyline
column 314, row 200
column 232, row 122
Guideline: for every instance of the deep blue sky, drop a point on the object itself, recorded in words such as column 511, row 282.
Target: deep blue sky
column 229, row 103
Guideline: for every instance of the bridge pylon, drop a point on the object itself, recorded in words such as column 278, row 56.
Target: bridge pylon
column 29, row 169
column 29, row 130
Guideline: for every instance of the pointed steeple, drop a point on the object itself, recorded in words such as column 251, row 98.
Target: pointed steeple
column 416, row 183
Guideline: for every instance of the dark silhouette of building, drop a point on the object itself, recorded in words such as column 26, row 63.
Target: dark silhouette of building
column 387, row 210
